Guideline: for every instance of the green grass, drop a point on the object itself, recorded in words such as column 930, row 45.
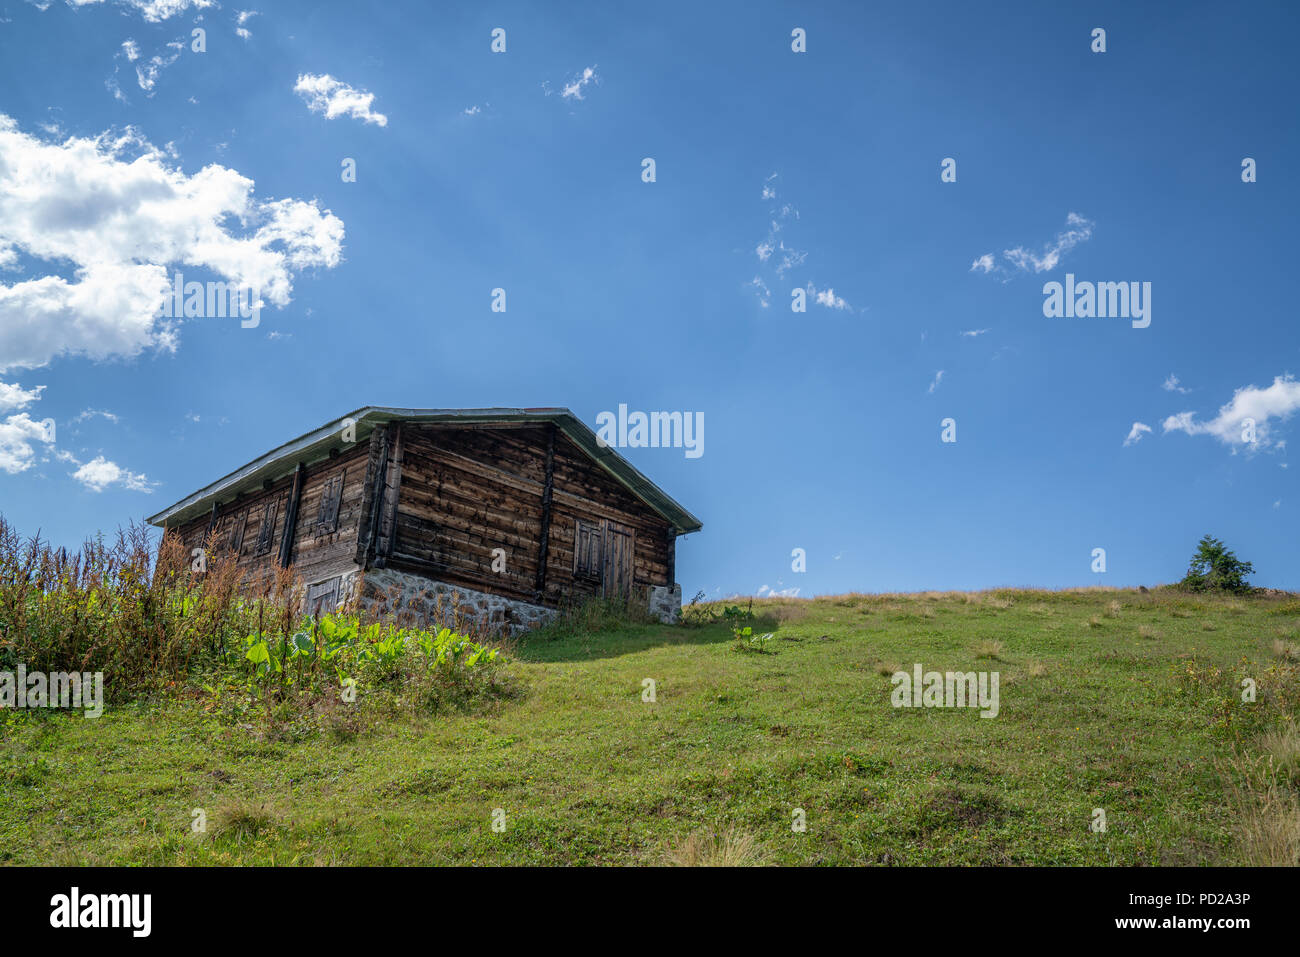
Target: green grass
column 1093, row 714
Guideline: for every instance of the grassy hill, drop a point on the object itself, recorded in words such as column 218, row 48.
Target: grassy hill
column 1120, row 700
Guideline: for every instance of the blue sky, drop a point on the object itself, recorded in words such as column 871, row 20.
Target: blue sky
column 124, row 159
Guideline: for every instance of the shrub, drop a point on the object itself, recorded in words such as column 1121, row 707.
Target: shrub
column 1214, row 567
column 146, row 618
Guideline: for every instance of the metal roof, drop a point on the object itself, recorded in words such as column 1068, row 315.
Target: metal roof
column 316, row 445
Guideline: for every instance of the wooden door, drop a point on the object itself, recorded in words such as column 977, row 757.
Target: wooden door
column 620, row 547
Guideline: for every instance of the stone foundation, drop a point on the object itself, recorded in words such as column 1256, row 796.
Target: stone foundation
column 400, row 593
column 387, row 590
column 666, row 603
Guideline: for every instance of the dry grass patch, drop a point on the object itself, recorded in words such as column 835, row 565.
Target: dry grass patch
column 1094, row 622
column 1287, row 650
column 731, row 848
column 1267, row 812
column 1113, row 609
column 242, row 818
column 1036, row 669
column 988, row 649
column 1147, row 632
column 1283, row 747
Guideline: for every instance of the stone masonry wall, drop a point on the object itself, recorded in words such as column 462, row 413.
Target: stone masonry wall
column 390, row 590
column 387, row 589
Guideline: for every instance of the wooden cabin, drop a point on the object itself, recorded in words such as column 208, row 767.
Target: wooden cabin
column 508, row 513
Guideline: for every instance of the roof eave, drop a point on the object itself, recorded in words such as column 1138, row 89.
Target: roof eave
column 315, row 445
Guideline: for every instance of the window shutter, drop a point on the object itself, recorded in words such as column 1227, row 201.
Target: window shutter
column 327, row 519
column 266, row 533
column 236, row 539
column 586, row 550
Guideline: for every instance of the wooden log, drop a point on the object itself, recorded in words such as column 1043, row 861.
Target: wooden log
column 539, row 588
column 376, row 502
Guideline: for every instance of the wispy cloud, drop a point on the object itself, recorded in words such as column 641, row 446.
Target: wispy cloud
column 334, row 98
column 147, row 73
column 1077, row 230
column 1135, row 434
column 972, row 333
column 780, row 258
column 826, row 297
column 938, row 377
column 1171, row 385
column 153, row 11
column 96, row 414
column 573, row 89
column 241, row 21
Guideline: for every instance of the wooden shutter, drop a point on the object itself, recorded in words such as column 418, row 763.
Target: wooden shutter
column 327, row 519
column 235, row 541
column 586, row 550
column 266, row 532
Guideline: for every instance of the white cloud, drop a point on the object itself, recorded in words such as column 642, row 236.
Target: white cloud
column 146, row 74
column 95, row 413
column 972, row 333
column 471, row 111
column 119, row 215
column 1278, row 401
column 242, row 17
column 573, row 89
column 14, row 396
column 131, row 49
column 1171, row 385
column 760, row 289
column 99, row 473
column 17, row 435
column 154, row 11
column 789, row 259
column 827, row 298
column 938, row 377
column 334, row 98
column 1077, row 230
column 766, row 591
column 1135, row 434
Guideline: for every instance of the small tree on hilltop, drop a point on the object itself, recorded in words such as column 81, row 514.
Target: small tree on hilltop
column 1215, row 568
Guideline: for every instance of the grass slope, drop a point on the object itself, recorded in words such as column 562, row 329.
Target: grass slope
column 1093, row 715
